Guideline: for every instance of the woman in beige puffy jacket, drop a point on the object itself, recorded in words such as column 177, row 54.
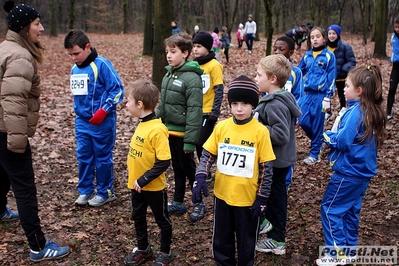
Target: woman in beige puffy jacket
column 19, row 107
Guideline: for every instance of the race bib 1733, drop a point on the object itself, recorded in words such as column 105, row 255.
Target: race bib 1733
column 236, row 160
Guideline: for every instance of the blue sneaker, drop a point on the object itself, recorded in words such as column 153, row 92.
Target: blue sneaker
column 51, row 251
column 176, row 208
column 9, row 215
column 198, row 212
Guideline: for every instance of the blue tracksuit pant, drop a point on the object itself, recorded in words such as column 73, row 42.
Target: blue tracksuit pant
column 312, row 120
column 340, row 209
column 94, row 153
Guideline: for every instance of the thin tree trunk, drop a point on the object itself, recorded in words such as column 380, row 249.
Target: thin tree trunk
column 163, row 15
column 381, row 19
column 148, row 29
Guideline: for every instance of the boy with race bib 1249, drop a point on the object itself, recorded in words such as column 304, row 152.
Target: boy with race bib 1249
column 241, row 148
column 96, row 89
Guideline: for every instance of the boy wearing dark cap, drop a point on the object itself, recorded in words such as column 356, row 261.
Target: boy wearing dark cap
column 212, row 82
column 242, row 150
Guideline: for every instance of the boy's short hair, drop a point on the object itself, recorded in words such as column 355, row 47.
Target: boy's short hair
column 277, row 65
column 289, row 41
column 182, row 40
column 144, row 91
column 76, row 37
column 396, row 20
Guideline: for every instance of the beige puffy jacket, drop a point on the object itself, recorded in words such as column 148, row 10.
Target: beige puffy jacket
column 19, row 93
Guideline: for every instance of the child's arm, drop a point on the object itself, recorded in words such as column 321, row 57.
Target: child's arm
column 113, row 91
column 114, row 87
column 194, row 99
column 200, row 186
column 159, row 167
column 297, row 87
column 277, row 123
column 348, row 129
column 331, row 76
column 217, row 79
column 265, row 183
column 350, row 60
column 302, row 64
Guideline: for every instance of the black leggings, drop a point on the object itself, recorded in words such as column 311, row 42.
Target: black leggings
column 393, row 85
column 226, row 53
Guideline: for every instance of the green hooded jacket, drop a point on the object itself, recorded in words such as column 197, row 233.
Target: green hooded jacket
column 181, row 102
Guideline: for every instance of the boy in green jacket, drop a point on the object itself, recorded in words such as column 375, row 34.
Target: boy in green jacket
column 181, row 111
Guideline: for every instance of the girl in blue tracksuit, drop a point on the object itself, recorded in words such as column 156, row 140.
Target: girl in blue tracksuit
column 394, row 78
column 319, row 70
column 353, row 156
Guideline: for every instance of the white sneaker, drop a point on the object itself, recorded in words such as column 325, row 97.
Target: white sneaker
column 311, row 161
column 99, row 201
column 271, row 245
column 83, row 199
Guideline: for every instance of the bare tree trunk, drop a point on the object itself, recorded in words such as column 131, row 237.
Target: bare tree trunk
column 71, row 14
column 163, row 14
column 341, row 7
column 269, row 24
column 364, row 9
column 257, row 16
column 381, row 19
column 53, row 20
column 125, row 16
column 148, row 29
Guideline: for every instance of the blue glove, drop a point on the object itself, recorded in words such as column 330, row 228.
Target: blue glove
column 199, row 187
column 259, row 206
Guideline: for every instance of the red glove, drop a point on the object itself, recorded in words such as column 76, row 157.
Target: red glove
column 98, row 117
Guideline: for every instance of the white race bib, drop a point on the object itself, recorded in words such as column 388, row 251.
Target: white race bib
column 288, row 86
column 79, row 84
column 206, row 83
column 236, row 160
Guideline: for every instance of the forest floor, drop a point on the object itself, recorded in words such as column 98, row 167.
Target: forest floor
column 105, row 235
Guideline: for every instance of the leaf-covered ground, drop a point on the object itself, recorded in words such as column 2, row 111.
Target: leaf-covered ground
column 105, row 235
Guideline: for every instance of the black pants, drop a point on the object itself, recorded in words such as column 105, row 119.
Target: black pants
column 393, row 85
column 276, row 211
column 206, row 131
column 340, row 88
column 183, row 167
column 16, row 169
column 226, row 53
column 232, row 222
column 157, row 200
